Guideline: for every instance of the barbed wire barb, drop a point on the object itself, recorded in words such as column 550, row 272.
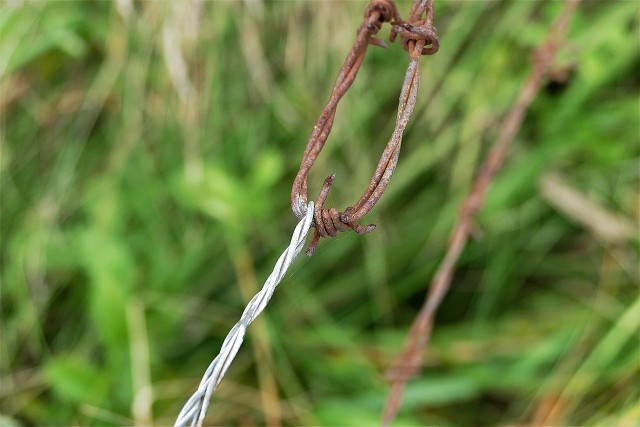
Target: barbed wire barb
column 418, row 37
column 195, row 410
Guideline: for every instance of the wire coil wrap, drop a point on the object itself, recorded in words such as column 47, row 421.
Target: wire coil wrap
column 418, row 37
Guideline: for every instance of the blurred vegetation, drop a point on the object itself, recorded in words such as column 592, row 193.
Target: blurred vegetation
column 148, row 149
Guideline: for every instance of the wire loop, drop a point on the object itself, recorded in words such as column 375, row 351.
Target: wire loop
column 418, row 37
column 412, row 32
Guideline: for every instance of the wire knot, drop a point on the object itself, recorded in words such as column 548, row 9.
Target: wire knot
column 328, row 222
column 418, row 37
column 377, row 13
column 411, row 32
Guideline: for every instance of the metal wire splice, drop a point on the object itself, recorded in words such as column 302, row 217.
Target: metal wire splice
column 418, row 37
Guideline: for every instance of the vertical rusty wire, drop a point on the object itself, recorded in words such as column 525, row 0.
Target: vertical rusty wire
column 408, row 363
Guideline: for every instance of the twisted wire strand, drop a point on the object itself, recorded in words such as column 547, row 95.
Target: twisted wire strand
column 418, row 37
column 195, row 410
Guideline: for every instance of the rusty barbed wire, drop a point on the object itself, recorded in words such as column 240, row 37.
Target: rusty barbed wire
column 418, row 37
column 408, row 363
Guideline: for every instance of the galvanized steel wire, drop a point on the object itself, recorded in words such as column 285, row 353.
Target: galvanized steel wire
column 195, row 410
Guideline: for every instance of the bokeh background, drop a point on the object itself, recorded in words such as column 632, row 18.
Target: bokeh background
column 148, row 149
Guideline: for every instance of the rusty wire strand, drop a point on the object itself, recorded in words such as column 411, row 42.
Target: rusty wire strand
column 418, row 37
column 408, row 363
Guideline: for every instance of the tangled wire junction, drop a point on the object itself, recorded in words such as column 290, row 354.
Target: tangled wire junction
column 418, row 37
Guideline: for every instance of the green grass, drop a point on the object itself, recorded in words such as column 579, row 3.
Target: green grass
column 144, row 203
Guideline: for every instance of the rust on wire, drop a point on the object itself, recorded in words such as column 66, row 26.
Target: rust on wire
column 418, row 37
column 409, row 361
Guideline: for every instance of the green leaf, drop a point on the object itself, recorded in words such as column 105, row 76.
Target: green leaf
column 75, row 379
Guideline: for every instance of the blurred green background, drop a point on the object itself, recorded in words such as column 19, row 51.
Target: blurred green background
column 148, row 151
